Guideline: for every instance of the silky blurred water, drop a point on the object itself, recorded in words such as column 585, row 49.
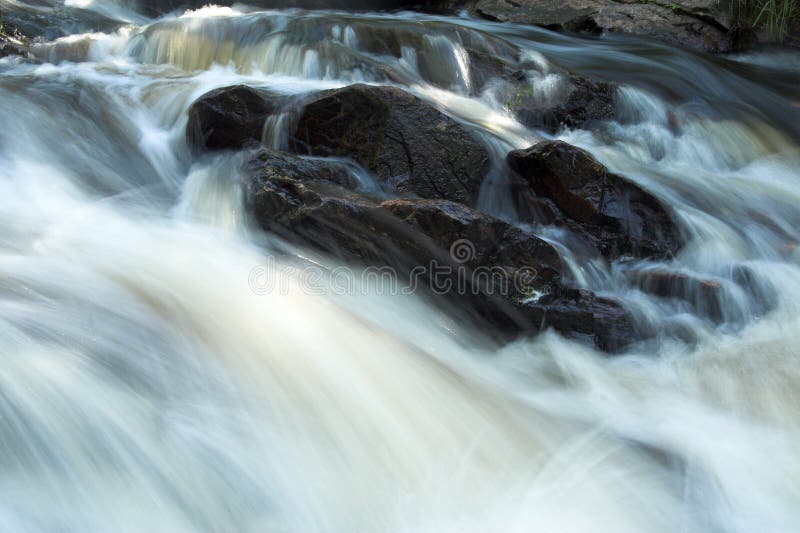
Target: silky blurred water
column 146, row 387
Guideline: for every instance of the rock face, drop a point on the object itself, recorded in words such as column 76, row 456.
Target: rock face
column 314, row 200
column 227, row 118
column 509, row 278
column 407, row 143
column 699, row 24
column 582, row 102
column 613, row 214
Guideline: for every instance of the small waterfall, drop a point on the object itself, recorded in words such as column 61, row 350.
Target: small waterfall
column 276, row 131
column 445, row 63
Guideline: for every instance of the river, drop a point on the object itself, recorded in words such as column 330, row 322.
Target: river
column 145, row 386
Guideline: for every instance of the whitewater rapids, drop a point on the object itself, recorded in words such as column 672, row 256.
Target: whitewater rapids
column 145, row 386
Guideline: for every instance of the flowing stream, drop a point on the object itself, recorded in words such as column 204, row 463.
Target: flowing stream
column 145, row 386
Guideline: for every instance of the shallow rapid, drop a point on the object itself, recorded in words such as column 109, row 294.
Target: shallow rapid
column 146, row 384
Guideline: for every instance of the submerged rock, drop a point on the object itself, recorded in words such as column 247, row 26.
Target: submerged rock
column 228, row 118
column 732, row 299
column 761, row 292
column 613, row 214
column 509, row 278
column 581, row 102
column 699, row 24
column 407, row 143
column 706, row 296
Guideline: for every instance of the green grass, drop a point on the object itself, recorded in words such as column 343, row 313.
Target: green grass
column 774, row 16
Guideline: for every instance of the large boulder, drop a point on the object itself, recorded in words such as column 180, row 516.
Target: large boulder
column 228, row 118
column 407, row 143
column 316, row 201
column 699, row 24
column 509, row 278
column 613, row 214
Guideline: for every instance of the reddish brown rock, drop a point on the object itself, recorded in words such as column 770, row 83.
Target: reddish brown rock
column 480, row 265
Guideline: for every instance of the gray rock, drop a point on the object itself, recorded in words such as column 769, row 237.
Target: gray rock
column 699, row 24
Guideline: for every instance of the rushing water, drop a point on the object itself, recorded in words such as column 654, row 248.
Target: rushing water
column 146, row 387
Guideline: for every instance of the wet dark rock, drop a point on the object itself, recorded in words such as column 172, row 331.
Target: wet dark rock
column 698, row 24
column 762, row 293
column 227, row 118
column 48, row 23
column 407, row 143
column 582, row 102
column 268, row 164
column 485, row 67
column 584, row 316
column 732, row 299
column 13, row 41
column 316, row 201
column 508, row 278
column 476, row 240
column 706, row 296
column 615, row 215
